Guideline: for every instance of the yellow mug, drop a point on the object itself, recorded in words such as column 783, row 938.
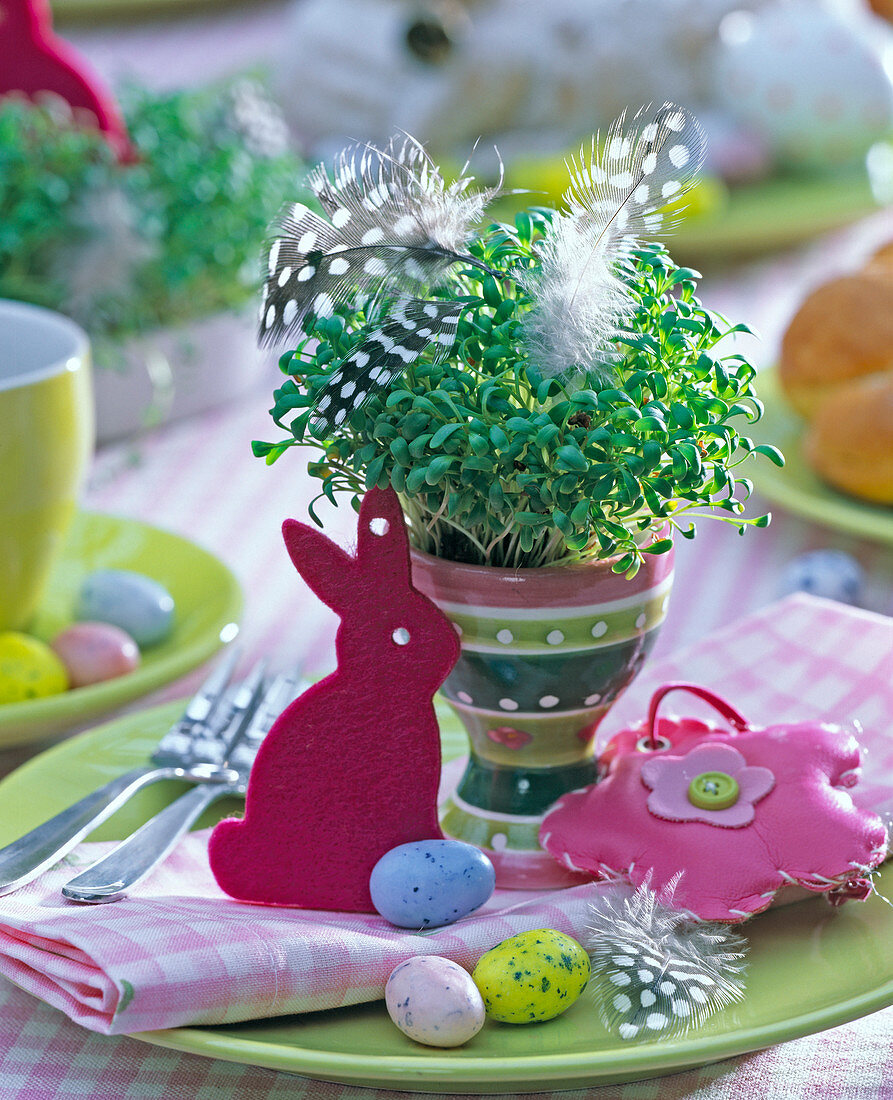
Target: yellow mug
column 46, row 442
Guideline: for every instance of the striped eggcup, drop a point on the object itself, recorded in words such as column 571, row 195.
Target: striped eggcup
column 545, row 652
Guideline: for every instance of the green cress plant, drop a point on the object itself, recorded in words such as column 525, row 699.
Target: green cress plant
column 171, row 237
column 498, row 465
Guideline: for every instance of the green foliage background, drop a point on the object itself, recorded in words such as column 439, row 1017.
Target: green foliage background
column 200, row 203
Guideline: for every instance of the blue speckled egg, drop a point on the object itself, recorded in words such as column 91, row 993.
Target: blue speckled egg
column 828, row 573
column 136, row 604
column 430, row 882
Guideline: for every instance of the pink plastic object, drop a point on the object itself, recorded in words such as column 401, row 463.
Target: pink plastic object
column 792, row 821
column 33, row 60
column 351, row 769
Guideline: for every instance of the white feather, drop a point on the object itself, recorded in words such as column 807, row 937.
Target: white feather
column 581, row 299
column 659, row 971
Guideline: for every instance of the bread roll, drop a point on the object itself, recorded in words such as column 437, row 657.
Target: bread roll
column 850, row 441
column 843, row 332
column 882, row 260
column 883, row 8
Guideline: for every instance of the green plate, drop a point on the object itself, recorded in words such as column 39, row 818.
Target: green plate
column 794, row 486
column 208, row 604
column 91, row 11
column 779, row 213
column 810, row 967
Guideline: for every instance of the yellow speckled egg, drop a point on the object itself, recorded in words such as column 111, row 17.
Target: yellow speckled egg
column 28, row 669
column 532, row 976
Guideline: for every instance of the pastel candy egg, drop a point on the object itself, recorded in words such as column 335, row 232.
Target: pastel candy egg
column 831, row 574
column 29, row 669
column 428, row 883
column 95, row 652
column 434, row 1001
column 140, row 606
column 532, row 976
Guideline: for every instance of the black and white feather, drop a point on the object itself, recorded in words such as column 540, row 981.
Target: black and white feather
column 392, row 225
column 658, row 971
column 614, row 201
column 412, row 324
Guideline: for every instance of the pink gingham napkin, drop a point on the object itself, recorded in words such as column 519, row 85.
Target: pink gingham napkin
column 177, row 951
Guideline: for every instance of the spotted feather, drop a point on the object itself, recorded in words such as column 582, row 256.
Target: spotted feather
column 657, row 971
column 412, row 325
column 614, row 200
column 392, row 225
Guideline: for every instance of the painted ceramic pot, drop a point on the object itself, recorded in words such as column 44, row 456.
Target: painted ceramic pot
column 545, row 653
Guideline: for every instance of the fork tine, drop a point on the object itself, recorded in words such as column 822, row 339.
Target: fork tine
column 206, row 715
column 208, row 696
column 280, row 692
column 248, row 697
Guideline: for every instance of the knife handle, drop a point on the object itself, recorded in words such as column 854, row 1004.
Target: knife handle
column 129, row 862
column 25, row 858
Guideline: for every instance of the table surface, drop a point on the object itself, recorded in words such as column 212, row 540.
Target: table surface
column 197, row 477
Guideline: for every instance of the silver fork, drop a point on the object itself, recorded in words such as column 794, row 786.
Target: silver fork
column 129, row 862
column 191, row 750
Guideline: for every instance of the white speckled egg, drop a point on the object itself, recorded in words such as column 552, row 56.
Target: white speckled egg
column 428, row 883
column 137, row 604
column 95, row 652
column 434, row 1001
column 806, row 80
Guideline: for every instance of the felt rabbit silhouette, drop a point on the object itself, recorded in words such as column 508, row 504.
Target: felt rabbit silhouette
column 34, row 60
column 351, row 768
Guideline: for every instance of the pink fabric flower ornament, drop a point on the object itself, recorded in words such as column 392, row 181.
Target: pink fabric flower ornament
column 728, row 786
column 741, row 815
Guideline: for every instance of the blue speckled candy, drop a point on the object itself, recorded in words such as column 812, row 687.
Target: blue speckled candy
column 141, row 607
column 429, row 883
column 828, row 573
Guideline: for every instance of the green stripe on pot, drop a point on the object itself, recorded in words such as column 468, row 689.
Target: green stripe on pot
column 498, row 631
column 518, row 791
column 486, row 830
column 537, row 683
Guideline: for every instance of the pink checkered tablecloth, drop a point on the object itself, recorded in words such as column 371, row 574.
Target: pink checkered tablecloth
column 198, row 478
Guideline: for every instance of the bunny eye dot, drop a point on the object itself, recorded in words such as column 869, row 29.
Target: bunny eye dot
column 380, row 526
column 400, row 636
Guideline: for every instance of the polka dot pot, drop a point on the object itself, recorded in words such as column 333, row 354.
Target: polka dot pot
column 545, row 652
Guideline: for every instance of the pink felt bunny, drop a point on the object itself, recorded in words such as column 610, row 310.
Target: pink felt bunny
column 350, row 769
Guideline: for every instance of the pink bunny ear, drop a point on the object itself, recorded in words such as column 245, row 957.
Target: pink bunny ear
column 322, row 563
column 381, row 537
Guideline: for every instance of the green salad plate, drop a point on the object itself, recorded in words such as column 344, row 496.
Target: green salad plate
column 810, row 967
column 208, row 604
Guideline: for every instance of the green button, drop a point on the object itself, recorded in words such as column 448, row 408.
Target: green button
column 713, row 791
